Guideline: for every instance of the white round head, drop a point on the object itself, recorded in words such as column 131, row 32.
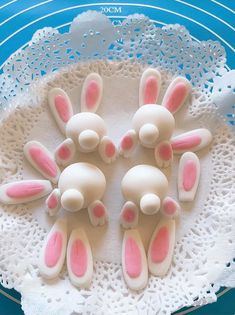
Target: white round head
column 153, row 123
column 86, row 130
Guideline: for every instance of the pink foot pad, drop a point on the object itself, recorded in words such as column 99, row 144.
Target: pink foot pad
column 170, row 208
column 150, row 85
column 107, row 150
column 129, row 215
column 128, row 143
column 53, row 251
column 65, row 152
column 97, row 213
column 53, row 202
column 79, row 259
column 42, row 160
column 134, row 262
column 194, row 140
column 61, row 107
column 188, row 177
column 161, row 247
column 176, row 94
column 92, row 91
column 163, row 154
column 24, row 191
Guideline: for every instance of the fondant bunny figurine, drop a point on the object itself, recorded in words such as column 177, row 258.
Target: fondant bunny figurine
column 153, row 125
column 85, row 131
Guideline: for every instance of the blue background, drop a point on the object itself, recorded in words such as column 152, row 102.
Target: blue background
column 207, row 19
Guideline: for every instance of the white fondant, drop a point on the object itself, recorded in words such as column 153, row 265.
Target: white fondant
column 91, row 77
column 51, row 100
column 139, row 282
column 183, row 194
column 150, row 204
column 53, row 210
column 171, row 87
column 161, row 268
column 84, row 178
column 177, row 208
column 129, row 223
column 72, row 200
column 141, row 180
column 158, row 116
column 150, row 72
column 85, row 280
column 4, row 198
column 148, row 135
column 37, row 144
column 52, row 272
column 71, row 146
column 83, row 122
column 126, row 152
column 206, row 138
column 88, row 140
column 105, row 141
column 93, row 218
column 161, row 163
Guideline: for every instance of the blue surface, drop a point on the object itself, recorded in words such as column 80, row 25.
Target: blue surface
column 207, row 19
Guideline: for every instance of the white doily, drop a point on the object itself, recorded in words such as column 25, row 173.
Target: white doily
column 205, row 231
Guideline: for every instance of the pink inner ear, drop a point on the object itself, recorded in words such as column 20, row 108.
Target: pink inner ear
column 62, row 108
column 92, row 94
column 99, row 211
column 126, row 143
column 169, row 207
column 189, row 175
column 110, row 149
column 160, row 245
column 176, row 97
column 78, row 258
column 43, row 161
column 53, row 249
column 24, row 190
column 133, row 263
column 165, row 152
column 64, row 152
column 186, row 142
column 128, row 215
column 52, row 201
column 150, row 90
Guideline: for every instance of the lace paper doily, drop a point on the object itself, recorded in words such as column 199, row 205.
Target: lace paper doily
column 205, row 233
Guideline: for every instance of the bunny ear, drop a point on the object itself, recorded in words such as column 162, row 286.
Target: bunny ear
column 92, row 92
column 150, row 84
column 61, row 107
column 24, row 191
column 176, row 94
column 79, row 259
column 134, row 262
column 53, row 251
column 161, row 247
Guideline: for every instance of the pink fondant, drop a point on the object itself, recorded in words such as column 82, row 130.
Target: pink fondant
column 53, row 249
column 52, row 201
column 92, row 94
column 43, row 161
column 160, row 245
column 189, row 175
column 133, row 263
column 127, row 143
column 187, row 142
column 24, row 189
column 62, row 108
column 176, row 97
column 64, row 152
column 110, row 149
column 99, row 211
column 128, row 215
column 169, row 207
column 151, row 90
column 165, row 152
column 78, row 258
